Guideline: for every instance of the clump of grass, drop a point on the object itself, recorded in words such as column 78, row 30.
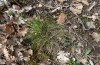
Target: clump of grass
column 43, row 38
column 40, row 34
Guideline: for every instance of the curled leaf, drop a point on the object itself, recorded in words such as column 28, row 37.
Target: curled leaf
column 85, row 2
column 22, row 32
column 76, row 8
column 96, row 36
column 61, row 18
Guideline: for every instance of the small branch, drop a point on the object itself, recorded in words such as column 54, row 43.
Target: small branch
column 91, row 6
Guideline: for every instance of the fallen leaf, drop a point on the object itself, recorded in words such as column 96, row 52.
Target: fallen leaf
column 84, row 61
column 76, row 8
column 40, row 5
column 22, row 32
column 2, row 62
column 78, row 50
column 85, row 2
column 61, row 18
column 2, row 40
column 0, row 46
column 2, row 18
column 82, row 1
column 94, row 16
column 9, row 29
column 96, row 36
column 28, row 8
column 61, row 1
column 90, row 25
column 6, row 54
column 73, row 1
column 2, row 27
column 15, row 7
column 30, row 52
column 63, row 57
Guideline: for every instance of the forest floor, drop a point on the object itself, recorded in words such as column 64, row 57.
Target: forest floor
column 49, row 32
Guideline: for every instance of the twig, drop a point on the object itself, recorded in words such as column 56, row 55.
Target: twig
column 17, row 2
column 91, row 6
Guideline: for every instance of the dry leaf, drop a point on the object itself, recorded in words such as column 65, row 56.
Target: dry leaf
column 82, row 1
column 2, row 27
column 61, row 18
column 81, row 59
column 76, row 8
column 40, row 5
column 96, row 36
column 16, row 7
column 61, row 1
column 9, row 29
column 78, row 50
column 1, row 46
column 94, row 16
column 63, row 57
column 84, row 61
column 30, row 52
column 2, row 62
column 1, row 18
column 85, row 2
column 22, row 32
column 2, row 40
column 6, row 54
column 90, row 25
column 28, row 8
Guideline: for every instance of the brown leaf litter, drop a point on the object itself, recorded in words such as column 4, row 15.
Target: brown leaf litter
column 61, row 18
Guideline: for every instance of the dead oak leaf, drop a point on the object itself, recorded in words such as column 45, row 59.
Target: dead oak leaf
column 61, row 18
column 85, row 2
column 22, row 32
column 6, row 53
column 61, row 1
column 96, row 36
column 9, row 29
column 30, row 52
column 2, row 40
column 84, row 61
column 76, row 8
